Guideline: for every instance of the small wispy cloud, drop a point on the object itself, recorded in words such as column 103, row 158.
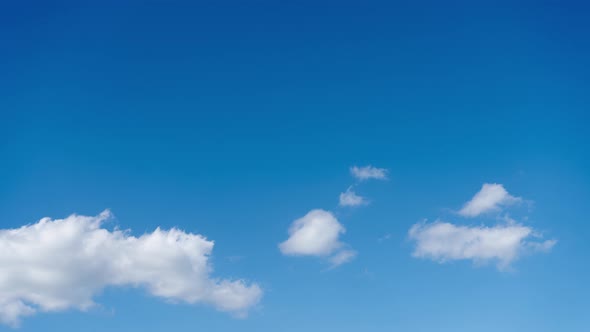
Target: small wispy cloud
column 368, row 172
column 491, row 197
column 350, row 198
column 343, row 256
column 385, row 237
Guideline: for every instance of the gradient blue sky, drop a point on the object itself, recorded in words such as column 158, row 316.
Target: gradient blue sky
column 233, row 119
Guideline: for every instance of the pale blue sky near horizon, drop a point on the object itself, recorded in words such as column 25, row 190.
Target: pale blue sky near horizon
column 232, row 119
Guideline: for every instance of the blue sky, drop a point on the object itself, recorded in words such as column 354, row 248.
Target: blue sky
column 242, row 122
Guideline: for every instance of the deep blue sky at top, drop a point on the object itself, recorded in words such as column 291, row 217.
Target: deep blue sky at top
column 233, row 118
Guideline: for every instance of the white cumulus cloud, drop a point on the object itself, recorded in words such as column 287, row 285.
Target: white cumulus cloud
column 442, row 242
column 317, row 234
column 490, row 198
column 56, row 265
column 368, row 172
column 350, row 198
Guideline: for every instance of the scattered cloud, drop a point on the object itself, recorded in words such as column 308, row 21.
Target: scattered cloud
column 343, row 256
column 350, row 198
column 442, row 242
column 61, row 264
column 490, row 198
column 368, row 172
column 317, row 234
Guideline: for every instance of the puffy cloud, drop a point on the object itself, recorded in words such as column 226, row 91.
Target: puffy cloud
column 490, row 198
column 55, row 265
column 441, row 241
column 368, row 172
column 350, row 198
column 317, row 234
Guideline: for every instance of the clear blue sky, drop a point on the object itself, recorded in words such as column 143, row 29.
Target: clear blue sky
column 234, row 119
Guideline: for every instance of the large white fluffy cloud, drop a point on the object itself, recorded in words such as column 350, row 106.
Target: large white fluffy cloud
column 317, row 234
column 442, row 242
column 60, row 264
column 368, row 172
column 350, row 198
column 490, row 197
